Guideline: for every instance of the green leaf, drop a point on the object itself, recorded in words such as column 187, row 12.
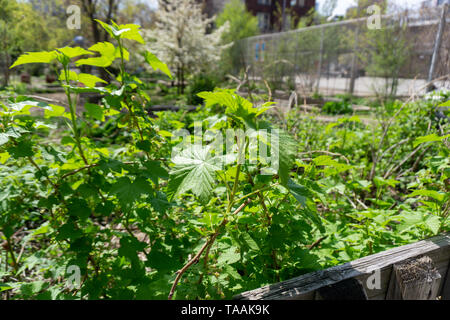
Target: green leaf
column 55, row 111
column 24, row 107
column 11, row 132
column 22, row 149
column 237, row 107
column 299, row 192
column 108, row 55
column 4, row 156
column 89, row 80
column 71, row 76
column 303, row 195
column 129, row 31
column 123, row 31
column 72, row 52
column 429, row 138
column 445, row 104
column 127, row 191
column 155, row 171
column 429, row 193
column 249, row 241
column 50, row 110
column 433, row 223
column 156, row 64
column 44, row 228
column 129, row 247
column 160, row 259
column 159, row 202
column 194, row 170
column 286, row 152
column 144, row 145
column 95, row 111
column 78, row 208
column 35, row 57
column 106, row 26
column 229, row 256
column 5, row 286
column 29, row 289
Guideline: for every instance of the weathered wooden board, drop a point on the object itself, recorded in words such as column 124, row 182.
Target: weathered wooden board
column 445, row 290
column 348, row 289
column 414, row 279
column 304, row 287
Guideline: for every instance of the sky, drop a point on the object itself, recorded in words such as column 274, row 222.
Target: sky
column 153, row 3
column 342, row 6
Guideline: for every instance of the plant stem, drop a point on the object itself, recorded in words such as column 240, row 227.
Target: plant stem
column 207, row 244
column 73, row 116
column 11, row 252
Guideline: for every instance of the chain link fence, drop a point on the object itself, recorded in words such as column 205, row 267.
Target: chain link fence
column 354, row 56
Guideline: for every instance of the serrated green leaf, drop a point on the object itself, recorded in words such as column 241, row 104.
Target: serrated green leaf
column 78, row 208
column 127, row 191
column 35, row 57
column 433, row 223
column 108, row 55
column 72, row 52
column 22, row 149
column 89, row 80
column 71, row 76
column 299, row 192
column 156, row 64
column 130, row 31
column 55, row 111
column 445, row 104
column 11, row 132
column 286, row 152
column 95, row 111
column 429, row 193
column 249, row 241
column 155, row 171
column 429, row 138
column 194, row 171
column 229, row 256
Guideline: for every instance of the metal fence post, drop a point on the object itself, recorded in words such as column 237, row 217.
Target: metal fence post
column 437, row 45
column 319, row 71
column 353, row 72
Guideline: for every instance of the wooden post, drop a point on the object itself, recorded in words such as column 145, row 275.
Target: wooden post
column 445, row 293
column 437, row 46
column 414, row 279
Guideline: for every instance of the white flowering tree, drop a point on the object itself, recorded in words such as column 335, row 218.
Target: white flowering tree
column 181, row 38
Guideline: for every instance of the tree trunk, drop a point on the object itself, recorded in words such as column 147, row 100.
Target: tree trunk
column 6, row 73
column 98, row 34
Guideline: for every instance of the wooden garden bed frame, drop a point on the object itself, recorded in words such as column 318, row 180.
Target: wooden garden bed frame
column 414, row 271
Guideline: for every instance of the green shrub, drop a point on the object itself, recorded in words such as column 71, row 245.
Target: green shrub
column 199, row 84
column 337, row 107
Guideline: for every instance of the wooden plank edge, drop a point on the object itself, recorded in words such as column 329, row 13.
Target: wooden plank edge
column 304, row 286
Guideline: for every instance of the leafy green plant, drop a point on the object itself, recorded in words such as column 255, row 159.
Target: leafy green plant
column 106, row 202
column 337, row 107
column 199, row 84
column 84, row 186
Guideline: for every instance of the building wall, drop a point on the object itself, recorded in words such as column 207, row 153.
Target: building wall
column 297, row 8
column 265, row 10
